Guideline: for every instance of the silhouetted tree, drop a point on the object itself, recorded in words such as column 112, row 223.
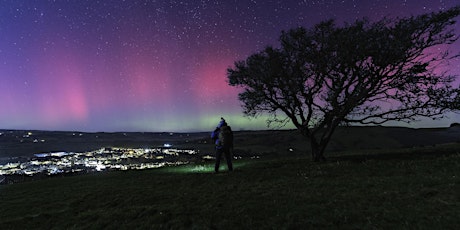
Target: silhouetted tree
column 361, row 73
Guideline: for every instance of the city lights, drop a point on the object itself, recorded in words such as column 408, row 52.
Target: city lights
column 98, row 160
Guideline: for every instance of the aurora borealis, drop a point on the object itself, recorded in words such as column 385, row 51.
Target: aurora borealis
column 153, row 65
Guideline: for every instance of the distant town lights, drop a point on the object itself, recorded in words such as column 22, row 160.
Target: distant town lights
column 97, row 160
column 100, row 167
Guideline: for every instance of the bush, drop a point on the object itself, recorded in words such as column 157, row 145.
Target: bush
column 455, row 125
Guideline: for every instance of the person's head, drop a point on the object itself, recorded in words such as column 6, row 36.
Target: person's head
column 222, row 123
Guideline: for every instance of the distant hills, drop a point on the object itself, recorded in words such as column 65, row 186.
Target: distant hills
column 15, row 143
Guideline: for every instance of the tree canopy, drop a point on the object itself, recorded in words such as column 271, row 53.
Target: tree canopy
column 360, row 73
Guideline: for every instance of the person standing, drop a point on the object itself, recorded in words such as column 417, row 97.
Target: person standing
column 223, row 139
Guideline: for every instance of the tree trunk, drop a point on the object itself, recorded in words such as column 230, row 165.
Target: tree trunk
column 318, row 147
column 317, row 151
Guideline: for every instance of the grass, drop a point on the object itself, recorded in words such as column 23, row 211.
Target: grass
column 409, row 189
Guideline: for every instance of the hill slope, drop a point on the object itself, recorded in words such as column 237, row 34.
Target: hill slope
column 20, row 143
column 416, row 189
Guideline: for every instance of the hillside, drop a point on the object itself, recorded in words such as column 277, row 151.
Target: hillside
column 413, row 188
column 25, row 142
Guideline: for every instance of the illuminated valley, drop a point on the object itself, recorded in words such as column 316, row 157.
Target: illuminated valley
column 99, row 160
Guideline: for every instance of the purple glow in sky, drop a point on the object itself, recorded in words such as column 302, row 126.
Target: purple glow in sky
column 153, row 65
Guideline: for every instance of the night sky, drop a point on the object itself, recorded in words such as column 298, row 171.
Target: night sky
column 153, row 65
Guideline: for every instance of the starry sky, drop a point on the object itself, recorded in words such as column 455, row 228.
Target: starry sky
column 152, row 65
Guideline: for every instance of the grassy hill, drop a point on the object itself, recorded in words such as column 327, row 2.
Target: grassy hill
column 415, row 188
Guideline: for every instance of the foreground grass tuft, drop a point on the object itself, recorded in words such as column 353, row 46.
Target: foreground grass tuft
column 420, row 191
